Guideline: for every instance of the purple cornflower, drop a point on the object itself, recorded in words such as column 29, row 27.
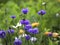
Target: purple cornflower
column 2, row 34
column 27, row 37
column 33, row 31
column 17, row 42
column 42, row 12
column 50, row 34
column 25, row 11
column 36, row 31
column 25, row 22
column 27, row 27
column 13, row 16
column 10, row 31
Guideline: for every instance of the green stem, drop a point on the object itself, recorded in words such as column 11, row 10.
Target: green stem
column 41, row 4
column 4, row 41
column 10, row 39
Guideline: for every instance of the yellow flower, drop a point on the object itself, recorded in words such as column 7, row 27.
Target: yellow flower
column 21, row 31
column 46, row 33
column 55, row 34
column 35, row 24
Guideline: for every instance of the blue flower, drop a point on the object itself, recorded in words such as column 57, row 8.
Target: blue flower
column 25, row 11
column 27, row 37
column 27, row 27
column 2, row 34
column 13, row 16
column 10, row 31
column 33, row 31
column 25, row 22
column 42, row 12
column 50, row 34
column 17, row 42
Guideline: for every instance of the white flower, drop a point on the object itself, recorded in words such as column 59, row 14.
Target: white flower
column 57, row 14
column 14, row 26
column 19, row 24
column 44, row 3
column 19, row 36
column 16, row 38
column 22, row 35
column 33, row 39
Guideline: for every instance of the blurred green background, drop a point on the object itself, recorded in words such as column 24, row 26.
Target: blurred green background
column 14, row 7
column 51, row 20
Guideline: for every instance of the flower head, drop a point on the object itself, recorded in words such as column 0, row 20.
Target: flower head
column 27, row 27
column 17, row 42
column 57, row 14
column 33, row 39
column 19, row 24
column 25, row 11
column 44, row 3
column 10, row 31
column 22, row 36
column 21, row 31
column 35, row 24
column 13, row 16
column 27, row 37
column 55, row 34
column 2, row 34
column 25, row 22
column 48, row 33
column 33, row 31
column 42, row 12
